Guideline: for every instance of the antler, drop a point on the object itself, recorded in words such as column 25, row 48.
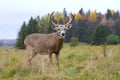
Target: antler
column 70, row 19
column 51, row 18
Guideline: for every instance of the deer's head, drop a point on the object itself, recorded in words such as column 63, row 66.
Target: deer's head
column 61, row 28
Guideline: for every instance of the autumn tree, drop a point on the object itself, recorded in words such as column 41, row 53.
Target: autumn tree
column 93, row 16
column 58, row 16
column 77, row 16
column 112, row 12
column 45, row 26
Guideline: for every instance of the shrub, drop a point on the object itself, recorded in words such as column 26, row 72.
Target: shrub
column 112, row 39
column 74, row 42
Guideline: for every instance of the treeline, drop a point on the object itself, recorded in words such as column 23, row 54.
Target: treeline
column 89, row 27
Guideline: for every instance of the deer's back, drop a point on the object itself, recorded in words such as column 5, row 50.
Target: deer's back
column 42, row 42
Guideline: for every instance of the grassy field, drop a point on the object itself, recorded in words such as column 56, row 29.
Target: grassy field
column 83, row 62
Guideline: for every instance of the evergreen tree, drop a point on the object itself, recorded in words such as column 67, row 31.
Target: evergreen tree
column 82, row 31
column 33, row 26
column 116, row 15
column 69, row 34
column 116, row 27
column 108, row 15
column 21, row 36
column 64, row 12
column 99, row 36
column 25, row 30
column 81, row 11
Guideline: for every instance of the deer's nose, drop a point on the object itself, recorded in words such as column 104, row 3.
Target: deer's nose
column 63, row 34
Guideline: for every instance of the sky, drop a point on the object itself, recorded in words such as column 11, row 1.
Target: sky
column 14, row 12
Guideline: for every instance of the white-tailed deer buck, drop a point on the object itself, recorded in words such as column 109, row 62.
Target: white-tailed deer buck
column 47, row 43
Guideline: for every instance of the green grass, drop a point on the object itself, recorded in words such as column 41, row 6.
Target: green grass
column 82, row 62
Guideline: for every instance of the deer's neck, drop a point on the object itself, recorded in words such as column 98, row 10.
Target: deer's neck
column 59, row 38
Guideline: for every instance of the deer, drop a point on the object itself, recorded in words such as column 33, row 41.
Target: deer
column 52, row 43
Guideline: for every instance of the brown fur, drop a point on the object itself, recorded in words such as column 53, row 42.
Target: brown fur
column 47, row 43
column 43, row 43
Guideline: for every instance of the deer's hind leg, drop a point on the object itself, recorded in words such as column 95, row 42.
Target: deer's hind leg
column 31, row 54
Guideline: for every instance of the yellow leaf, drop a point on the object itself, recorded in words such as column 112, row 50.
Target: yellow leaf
column 93, row 16
column 77, row 16
column 112, row 12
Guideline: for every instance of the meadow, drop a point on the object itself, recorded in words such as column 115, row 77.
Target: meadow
column 83, row 62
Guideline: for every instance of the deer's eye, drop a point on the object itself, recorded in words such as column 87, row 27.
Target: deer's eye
column 58, row 29
column 65, row 29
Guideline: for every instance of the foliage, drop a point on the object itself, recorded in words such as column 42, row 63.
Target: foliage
column 83, row 26
column 108, row 14
column 45, row 25
column 112, row 12
column 81, row 11
column 64, row 12
column 99, row 36
column 78, row 16
column 21, row 36
column 93, row 16
column 116, row 15
column 112, row 39
column 82, row 31
column 74, row 41
column 116, row 28
column 32, row 26
column 25, row 30
column 58, row 16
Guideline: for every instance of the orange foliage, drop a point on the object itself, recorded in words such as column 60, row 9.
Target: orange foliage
column 84, row 17
column 103, row 20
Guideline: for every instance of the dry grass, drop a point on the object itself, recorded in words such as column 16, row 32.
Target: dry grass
column 76, row 63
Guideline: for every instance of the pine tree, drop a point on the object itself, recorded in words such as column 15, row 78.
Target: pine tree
column 25, row 30
column 116, row 15
column 64, row 12
column 81, row 11
column 33, row 26
column 21, row 36
column 108, row 15
column 99, row 36
column 116, row 27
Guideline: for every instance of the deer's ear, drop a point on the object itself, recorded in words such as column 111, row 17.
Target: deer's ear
column 69, row 26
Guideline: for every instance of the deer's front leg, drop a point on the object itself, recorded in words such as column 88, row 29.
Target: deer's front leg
column 50, row 58
column 57, row 60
